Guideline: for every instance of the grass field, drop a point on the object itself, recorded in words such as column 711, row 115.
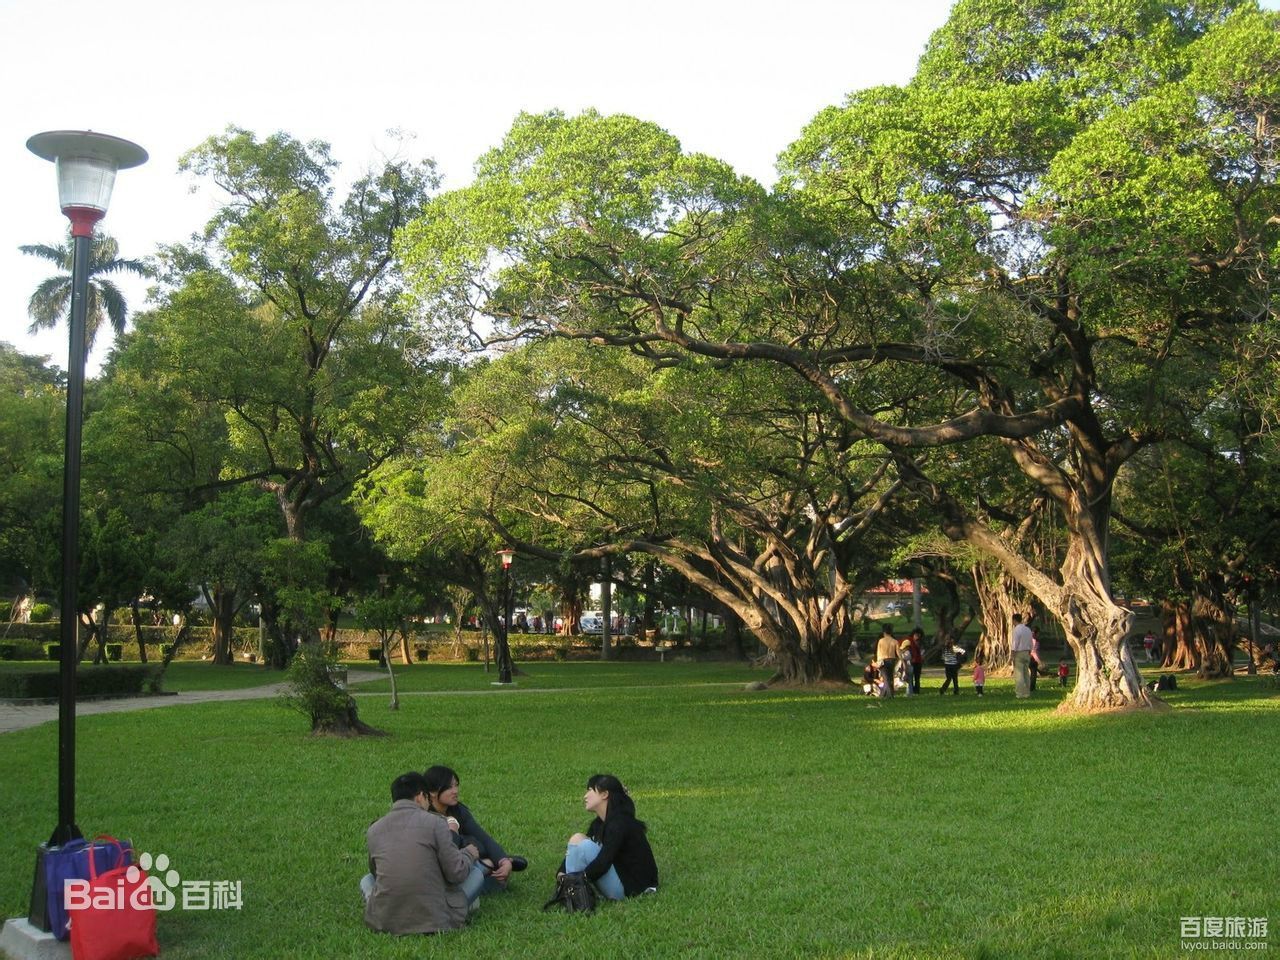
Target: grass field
column 785, row 824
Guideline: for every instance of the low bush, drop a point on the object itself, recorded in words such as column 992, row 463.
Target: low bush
column 6, row 609
column 53, row 651
column 41, row 613
column 8, row 651
column 36, row 683
column 115, row 651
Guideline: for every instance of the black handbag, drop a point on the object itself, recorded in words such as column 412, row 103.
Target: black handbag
column 574, row 892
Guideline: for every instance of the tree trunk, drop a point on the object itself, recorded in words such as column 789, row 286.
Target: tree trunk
column 798, row 663
column 1178, row 649
column 733, row 635
column 385, row 639
column 1098, row 629
column 406, row 655
column 1215, row 634
column 222, row 603
column 88, row 632
column 347, row 725
column 646, row 617
column 136, row 614
column 999, row 597
column 606, row 607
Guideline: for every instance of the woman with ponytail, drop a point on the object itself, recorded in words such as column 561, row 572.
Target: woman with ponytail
column 614, row 853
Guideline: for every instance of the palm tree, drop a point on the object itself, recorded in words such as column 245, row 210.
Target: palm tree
column 52, row 300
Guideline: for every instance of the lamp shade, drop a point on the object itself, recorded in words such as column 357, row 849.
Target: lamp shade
column 506, row 556
column 86, row 163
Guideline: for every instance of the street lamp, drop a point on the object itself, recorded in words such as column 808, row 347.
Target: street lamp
column 86, row 165
column 504, row 648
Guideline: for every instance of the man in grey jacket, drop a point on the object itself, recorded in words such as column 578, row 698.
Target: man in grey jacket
column 416, row 877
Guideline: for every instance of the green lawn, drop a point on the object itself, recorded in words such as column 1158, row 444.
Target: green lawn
column 555, row 675
column 785, row 824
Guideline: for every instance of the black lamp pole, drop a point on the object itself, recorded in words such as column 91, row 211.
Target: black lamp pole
column 86, row 165
column 68, row 654
column 504, row 646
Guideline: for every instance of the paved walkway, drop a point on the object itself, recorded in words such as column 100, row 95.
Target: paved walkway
column 20, row 718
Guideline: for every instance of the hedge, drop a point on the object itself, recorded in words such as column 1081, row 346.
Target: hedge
column 90, row 682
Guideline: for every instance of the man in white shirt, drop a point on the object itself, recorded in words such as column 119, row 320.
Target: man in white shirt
column 1022, row 641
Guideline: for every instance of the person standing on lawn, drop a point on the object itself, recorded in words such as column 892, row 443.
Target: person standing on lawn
column 1021, row 643
column 951, row 655
column 887, row 657
column 1035, row 663
column 416, row 872
column 494, row 866
column 915, row 641
column 979, row 674
column 614, row 853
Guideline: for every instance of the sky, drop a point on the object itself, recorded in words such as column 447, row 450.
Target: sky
column 737, row 79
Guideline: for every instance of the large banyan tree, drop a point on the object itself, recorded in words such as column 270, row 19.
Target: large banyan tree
column 1057, row 232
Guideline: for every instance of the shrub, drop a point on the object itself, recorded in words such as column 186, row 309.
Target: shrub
column 312, row 690
column 6, row 609
column 115, row 651
column 8, row 651
column 421, row 652
column 472, row 654
column 53, row 651
column 41, row 613
column 35, row 683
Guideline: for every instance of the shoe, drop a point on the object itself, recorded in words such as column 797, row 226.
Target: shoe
column 518, row 864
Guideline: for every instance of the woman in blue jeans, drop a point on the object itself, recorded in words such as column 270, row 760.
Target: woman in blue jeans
column 614, row 853
column 494, row 867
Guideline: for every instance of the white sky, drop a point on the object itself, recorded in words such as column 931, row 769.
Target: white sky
column 737, row 79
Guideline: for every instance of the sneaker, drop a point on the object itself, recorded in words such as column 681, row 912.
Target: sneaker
column 518, row 864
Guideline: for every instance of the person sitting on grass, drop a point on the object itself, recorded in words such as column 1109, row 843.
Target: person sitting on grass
column 494, row 866
column 416, row 871
column 870, row 679
column 614, row 853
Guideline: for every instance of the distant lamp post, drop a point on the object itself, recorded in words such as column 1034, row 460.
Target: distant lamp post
column 86, row 165
column 504, row 648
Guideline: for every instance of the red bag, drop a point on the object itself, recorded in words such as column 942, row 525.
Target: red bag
column 114, row 919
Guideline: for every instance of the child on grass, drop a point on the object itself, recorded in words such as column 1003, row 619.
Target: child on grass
column 979, row 673
column 1064, row 671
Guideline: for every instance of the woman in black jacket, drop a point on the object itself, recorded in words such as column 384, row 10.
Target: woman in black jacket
column 614, row 853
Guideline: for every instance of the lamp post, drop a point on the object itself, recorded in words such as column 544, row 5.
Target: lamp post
column 504, row 648
column 86, row 165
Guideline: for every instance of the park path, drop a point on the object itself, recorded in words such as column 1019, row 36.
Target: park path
column 21, row 717
column 14, row 717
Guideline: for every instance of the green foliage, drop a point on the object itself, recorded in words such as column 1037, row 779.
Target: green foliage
column 105, row 305
column 312, row 691
column 41, row 613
